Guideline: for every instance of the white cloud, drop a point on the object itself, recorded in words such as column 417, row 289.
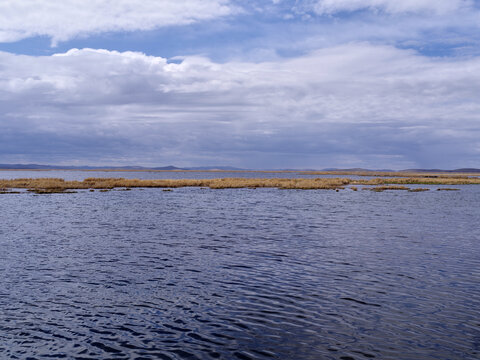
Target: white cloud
column 66, row 19
column 355, row 102
column 390, row 6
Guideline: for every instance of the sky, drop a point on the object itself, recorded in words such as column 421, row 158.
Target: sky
column 258, row 84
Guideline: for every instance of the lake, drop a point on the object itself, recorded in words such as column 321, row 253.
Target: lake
column 239, row 273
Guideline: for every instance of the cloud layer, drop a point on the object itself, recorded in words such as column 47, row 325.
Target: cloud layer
column 349, row 105
column 388, row 6
column 66, row 19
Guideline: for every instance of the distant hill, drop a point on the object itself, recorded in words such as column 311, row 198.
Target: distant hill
column 224, row 168
column 356, row 169
column 462, row 170
column 170, row 167
column 63, row 167
column 206, row 168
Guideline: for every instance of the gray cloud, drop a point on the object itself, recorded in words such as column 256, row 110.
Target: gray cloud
column 350, row 105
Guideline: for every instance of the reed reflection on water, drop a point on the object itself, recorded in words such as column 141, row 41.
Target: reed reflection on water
column 240, row 273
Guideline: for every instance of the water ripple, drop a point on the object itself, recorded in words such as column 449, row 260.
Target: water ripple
column 237, row 274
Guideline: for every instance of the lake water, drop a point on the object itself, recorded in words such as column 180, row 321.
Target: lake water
column 240, row 274
column 80, row 175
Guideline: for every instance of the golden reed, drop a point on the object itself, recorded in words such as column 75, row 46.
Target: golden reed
column 49, row 185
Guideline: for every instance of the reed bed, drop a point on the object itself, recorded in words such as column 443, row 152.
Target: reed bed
column 387, row 187
column 56, row 184
column 419, row 180
column 52, row 185
column 394, row 187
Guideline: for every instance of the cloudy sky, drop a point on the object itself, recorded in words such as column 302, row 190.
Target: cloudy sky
column 251, row 83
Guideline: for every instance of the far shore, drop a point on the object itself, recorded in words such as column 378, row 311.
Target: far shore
column 370, row 173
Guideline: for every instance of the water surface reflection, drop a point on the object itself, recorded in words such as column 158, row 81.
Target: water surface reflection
column 240, row 274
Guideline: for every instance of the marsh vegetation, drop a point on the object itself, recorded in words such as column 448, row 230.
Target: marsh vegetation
column 380, row 183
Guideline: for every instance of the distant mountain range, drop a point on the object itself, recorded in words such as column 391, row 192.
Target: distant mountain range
column 63, row 167
column 357, row 169
column 462, row 170
column 200, row 168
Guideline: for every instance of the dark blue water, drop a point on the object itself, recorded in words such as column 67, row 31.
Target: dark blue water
column 240, row 274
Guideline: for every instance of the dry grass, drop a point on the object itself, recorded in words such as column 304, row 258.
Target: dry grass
column 419, row 180
column 51, row 191
column 56, row 185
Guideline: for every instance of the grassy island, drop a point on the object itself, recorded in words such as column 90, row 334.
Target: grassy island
column 376, row 182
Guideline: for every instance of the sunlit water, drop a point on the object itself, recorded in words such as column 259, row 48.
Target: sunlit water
column 240, row 274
